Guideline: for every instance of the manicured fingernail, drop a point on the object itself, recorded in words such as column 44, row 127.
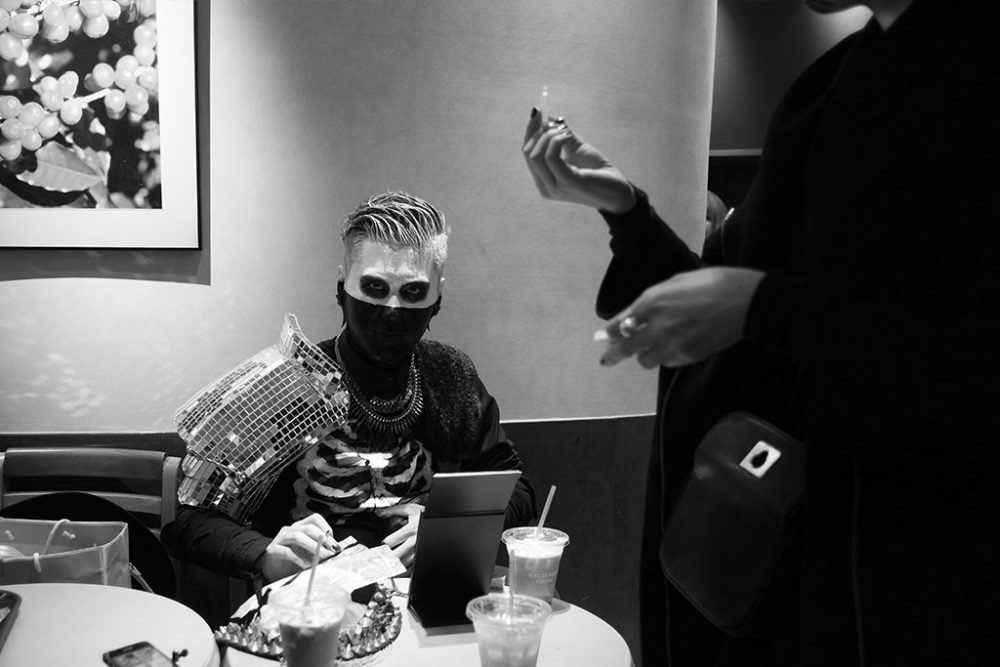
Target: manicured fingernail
column 534, row 112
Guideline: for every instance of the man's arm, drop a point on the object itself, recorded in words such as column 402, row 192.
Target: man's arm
column 215, row 541
column 497, row 453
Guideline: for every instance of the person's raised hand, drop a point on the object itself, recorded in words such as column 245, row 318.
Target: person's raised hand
column 566, row 168
column 293, row 547
column 684, row 319
column 403, row 541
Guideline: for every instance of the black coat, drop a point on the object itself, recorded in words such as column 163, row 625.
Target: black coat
column 874, row 337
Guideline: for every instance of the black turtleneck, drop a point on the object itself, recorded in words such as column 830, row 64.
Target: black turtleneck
column 373, row 377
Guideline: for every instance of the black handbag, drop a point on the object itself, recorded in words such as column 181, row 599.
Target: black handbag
column 728, row 544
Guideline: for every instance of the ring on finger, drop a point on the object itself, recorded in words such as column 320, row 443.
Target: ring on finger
column 628, row 326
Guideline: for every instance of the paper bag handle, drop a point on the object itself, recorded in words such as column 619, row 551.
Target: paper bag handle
column 52, row 535
column 48, row 543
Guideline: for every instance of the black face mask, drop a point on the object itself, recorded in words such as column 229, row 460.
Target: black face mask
column 385, row 335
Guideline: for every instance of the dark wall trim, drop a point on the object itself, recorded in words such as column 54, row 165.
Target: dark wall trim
column 521, row 432
column 160, row 442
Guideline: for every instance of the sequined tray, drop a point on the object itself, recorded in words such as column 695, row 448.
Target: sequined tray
column 362, row 644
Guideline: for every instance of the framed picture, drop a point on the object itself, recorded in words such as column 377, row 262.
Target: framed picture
column 98, row 141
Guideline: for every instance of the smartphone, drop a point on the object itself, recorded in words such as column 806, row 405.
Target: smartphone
column 141, row 654
column 9, row 602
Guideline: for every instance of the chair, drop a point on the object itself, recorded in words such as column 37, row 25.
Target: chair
column 142, row 482
column 44, row 483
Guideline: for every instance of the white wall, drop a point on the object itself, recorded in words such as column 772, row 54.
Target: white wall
column 314, row 106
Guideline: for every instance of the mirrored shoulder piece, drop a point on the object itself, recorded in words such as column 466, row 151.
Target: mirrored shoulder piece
column 244, row 428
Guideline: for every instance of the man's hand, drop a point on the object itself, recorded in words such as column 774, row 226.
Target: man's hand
column 293, row 547
column 685, row 319
column 566, row 168
column 404, row 540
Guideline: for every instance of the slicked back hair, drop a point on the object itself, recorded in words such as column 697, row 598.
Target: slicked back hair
column 399, row 220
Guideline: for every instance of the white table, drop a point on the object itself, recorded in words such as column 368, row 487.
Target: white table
column 59, row 625
column 573, row 638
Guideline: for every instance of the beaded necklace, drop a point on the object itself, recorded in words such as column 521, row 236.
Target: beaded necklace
column 385, row 415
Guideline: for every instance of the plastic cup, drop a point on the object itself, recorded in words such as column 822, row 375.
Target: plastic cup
column 508, row 628
column 310, row 634
column 534, row 560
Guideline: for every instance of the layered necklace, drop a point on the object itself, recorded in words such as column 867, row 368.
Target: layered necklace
column 385, row 415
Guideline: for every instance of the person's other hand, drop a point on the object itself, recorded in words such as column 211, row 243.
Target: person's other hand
column 293, row 547
column 684, row 319
column 404, row 540
column 565, row 168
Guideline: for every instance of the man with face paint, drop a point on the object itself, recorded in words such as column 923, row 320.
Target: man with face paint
column 853, row 300
column 416, row 407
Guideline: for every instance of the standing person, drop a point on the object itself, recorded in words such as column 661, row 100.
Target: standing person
column 853, row 300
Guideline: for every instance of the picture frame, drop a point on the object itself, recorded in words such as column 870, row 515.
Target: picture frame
column 164, row 216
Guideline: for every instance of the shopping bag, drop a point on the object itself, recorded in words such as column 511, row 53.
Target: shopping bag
column 84, row 552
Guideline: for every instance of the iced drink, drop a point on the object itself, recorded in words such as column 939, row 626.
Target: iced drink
column 508, row 628
column 310, row 633
column 534, row 560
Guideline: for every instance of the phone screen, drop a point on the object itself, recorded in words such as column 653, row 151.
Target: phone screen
column 142, row 654
column 8, row 612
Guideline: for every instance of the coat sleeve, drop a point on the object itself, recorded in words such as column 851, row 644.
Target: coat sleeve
column 497, row 453
column 215, row 541
column 645, row 251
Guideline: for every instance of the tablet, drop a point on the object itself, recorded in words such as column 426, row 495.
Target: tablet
column 457, row 543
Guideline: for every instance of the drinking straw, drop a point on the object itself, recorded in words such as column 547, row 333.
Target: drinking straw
column 545, row 511
column 312, row 573
column 510, row 605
